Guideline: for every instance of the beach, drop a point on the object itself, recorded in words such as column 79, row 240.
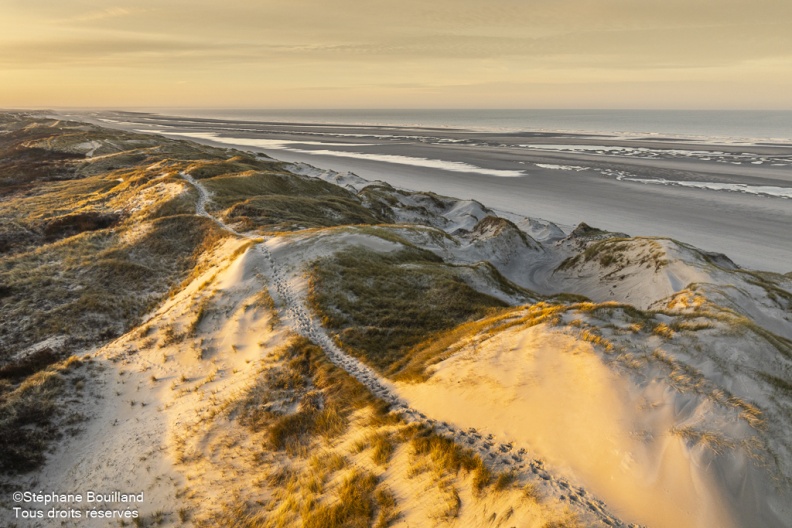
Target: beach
column 521, row 337
column 732, row 198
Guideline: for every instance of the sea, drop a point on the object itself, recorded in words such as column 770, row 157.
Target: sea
column 749, row 126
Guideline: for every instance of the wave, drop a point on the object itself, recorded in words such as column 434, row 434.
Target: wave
column 759, row 190
column 452, row 166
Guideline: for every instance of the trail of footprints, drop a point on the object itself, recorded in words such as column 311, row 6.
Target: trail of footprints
column 499, row 456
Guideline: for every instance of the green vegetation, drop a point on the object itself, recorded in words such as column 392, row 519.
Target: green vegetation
column 279, row 212
column 93, row 286
column 25, row 421
column 202, row 169
column 89, row 245
column 279, row 201
column 230, row 189
column 30, row 413
column 381, row 305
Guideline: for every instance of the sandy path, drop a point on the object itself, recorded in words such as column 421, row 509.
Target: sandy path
column 500, row 456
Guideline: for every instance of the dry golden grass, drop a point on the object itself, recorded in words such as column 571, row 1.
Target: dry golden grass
column 711, row 440
column 356, row 504
column 663, row 330
column 382, row 448
column 448, row 458
column 309, row 476
column 303, row 398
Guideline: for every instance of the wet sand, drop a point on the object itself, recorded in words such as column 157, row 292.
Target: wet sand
column 632, row 185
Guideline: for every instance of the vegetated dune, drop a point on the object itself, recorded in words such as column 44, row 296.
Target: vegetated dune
column 640, row 425
column 252, row 343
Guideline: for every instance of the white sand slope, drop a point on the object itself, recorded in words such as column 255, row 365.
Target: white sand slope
column 282, row 261
column 149, row 386
column 159, row 385
column 550, row 392
column 539, row 401
column 649, row 272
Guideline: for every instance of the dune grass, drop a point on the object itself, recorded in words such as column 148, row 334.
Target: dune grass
column 87, row 247
column 31, row 413
column 298, row 408
column 26, row 427
column 617, row 253
column 92, row 286
column 380, row 305
column 287, row 212
column 203, row 169
column 356, row 504
column 383, row 447
column 275, row 200
column 448, row 458
column 88, row 256
column 305, row 398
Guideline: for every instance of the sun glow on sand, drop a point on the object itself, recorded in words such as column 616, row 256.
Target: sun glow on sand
column 552, row 391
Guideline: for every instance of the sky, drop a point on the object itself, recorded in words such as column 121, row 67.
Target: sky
column 697, row 54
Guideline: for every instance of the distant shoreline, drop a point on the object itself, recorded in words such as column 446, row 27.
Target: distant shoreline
column 710, row 126
column 713, row 196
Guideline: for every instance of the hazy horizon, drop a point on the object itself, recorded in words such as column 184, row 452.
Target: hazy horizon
column 569, row 54
column 160, row 108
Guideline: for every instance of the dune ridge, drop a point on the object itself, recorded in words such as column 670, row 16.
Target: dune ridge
column 453, row 364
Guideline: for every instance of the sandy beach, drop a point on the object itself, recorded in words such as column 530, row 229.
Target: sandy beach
column 727, row 198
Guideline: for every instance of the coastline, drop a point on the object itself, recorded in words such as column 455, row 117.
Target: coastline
column 656, row 187
column 664, row 356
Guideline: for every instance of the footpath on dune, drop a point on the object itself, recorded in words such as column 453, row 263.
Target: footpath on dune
column 498, row 455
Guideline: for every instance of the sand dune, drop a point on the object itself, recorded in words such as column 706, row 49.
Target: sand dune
column 750, row 228
column 550, row 392
column 544, row 376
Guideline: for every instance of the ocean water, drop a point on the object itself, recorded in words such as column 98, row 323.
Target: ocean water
column 725, row 125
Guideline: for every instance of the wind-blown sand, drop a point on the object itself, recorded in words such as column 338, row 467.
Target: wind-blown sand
column 552, row 392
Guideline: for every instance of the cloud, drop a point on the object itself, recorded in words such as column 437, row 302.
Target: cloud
column 613, row 50
column 97, row 50
column 110, row 12
column 411, row 45
column 101, row 14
